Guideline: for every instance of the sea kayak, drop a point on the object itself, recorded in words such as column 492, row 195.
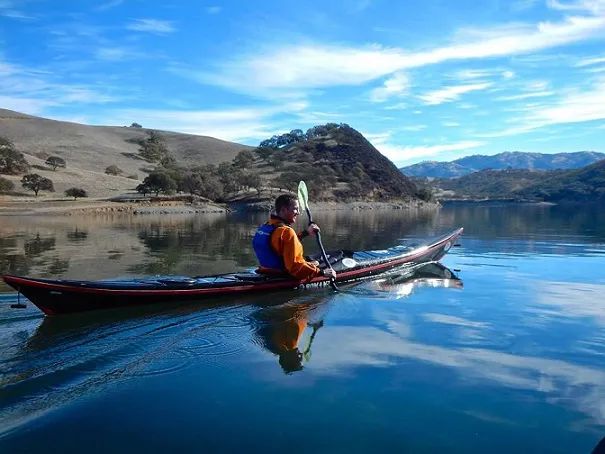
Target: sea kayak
column 62, row 296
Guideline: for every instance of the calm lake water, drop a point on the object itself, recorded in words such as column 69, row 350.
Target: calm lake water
column 503, row 351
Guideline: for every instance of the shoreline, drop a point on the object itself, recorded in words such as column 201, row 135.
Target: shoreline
column 66, row 207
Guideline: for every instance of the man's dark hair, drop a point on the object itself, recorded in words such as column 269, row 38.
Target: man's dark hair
column 284, row 200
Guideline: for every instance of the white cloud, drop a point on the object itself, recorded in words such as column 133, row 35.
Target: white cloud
column 401, row 154
column 11, row 9
column 248, row 125
column 314, row 65
column 30, row 91
column 472, row 74
column 449, row 94
column 575, row 106
column 151, row 25
column 108, row 5
column 535, row 94
column 592, row 6
column 590, row 61
column 396, row 85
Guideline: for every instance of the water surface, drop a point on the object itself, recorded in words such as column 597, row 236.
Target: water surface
column 501, row 351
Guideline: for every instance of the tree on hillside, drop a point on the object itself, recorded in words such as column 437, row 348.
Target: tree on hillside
column 157, row 182
column 135, row 125
column 75, row 193
column 283, row 140
column 113, row 170
column 252, row 180
column 55, row 161
column 37, row 183
column 191, row 183
column 154, row 148
column 264, row 152
column 6, row 185
column 11, row 161
column 229, row 177
column 244, row 159
column 287, row 180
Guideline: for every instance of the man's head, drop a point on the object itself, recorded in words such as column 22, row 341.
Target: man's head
column 286, row 207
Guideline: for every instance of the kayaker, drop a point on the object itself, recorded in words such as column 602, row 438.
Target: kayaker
column 278, row 247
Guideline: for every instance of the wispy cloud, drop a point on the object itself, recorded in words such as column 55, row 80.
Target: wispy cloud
column 575, row 106
column 590, row 61
column 151, row 26
column 307, row 66
column 403, row 154
column 244, row 125
column 397, row 85
column 471, row 74
column 593, row 6
column 31, row 91
column 449, row 94
column 532, row 90
column 13, row 10
column 108, row 5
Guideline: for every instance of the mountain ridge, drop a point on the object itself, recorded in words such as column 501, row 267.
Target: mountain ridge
column 500, row 161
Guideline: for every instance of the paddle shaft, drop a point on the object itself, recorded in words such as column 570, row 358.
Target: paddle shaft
column 321, row 248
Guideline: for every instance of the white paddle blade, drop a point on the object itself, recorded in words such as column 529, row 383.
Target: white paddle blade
column 303, row 195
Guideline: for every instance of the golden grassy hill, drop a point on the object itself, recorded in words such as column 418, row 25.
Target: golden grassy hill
column 88, row 150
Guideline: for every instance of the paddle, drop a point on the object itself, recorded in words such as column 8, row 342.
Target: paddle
column 303, row 201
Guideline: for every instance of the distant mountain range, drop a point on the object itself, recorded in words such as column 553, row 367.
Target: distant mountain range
column 501, row 161
column 586, row 184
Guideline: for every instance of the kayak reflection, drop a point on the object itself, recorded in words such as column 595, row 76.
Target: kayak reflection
column 280, row 328
column 432, row 274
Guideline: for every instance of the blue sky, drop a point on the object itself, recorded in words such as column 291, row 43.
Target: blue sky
column 430, row 80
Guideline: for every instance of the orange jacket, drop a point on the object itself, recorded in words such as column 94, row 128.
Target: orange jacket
column 286, row 243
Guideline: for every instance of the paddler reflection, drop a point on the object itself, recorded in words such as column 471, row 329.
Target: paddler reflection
column 281, row 330
column 288, row 330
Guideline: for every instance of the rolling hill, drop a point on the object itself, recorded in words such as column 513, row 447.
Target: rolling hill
column 88, row 150
column 586, row 184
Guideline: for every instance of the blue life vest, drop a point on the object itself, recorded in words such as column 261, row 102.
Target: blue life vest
column 265, row 254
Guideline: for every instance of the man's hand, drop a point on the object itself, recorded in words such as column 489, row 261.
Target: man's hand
column 313, row 228
column 329, row 272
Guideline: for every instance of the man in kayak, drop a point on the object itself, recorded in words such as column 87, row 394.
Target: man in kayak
column 278, row 247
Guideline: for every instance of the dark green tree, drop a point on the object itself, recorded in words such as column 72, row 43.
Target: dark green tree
column 6, row 185
column 75, row 193
column 55, row 161
column 113, row 170
column 157, row 182
column 11, row 161
column 244, row 159
column 154, row 148
column 37, row 183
